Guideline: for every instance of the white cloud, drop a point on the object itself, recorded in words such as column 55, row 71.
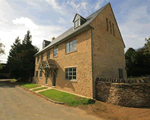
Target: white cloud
column 25, row 21
column 98, row 4
column 80, row 5
column 133, row 30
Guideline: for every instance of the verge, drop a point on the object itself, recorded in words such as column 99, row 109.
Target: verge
column 42, row 96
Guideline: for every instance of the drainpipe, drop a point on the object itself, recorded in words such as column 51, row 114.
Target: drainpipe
column 92, row 51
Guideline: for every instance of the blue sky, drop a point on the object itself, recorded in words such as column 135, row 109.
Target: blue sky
column 50, row 18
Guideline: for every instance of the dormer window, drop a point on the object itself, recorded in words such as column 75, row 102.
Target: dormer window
column 78, row 21
column 45, row 43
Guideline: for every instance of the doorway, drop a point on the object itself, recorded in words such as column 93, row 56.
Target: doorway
column 54, row 77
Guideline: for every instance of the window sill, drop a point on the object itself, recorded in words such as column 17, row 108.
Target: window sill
column 71, row 52
column 71, row 80
column 55, row 56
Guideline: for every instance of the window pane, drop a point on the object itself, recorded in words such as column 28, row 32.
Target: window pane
column 74, row 69
column 67, row 47
column 74, row 77
column 74, row 73
column 70, row 77
column 70, row 69
column 74, row 45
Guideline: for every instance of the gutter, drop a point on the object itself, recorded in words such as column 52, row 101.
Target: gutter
column 92, row 52
column 66, row 38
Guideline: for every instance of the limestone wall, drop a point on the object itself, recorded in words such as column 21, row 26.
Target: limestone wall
column 124, row 94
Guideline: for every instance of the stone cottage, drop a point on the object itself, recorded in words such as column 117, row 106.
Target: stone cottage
column 92, row 48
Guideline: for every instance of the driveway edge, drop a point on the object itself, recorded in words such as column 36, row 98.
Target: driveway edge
column 42, row 96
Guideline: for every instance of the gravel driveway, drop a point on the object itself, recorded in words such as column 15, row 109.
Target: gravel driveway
column 18, row 104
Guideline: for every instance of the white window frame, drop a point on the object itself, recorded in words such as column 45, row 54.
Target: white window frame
column 40, row 73
column 36, row 74
column 41, row 57
column 71, row 46
column 55, row 52
column 77, row 23
column 48, row 54
column 70, row 73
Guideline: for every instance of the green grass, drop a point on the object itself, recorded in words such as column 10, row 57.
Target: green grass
column 29, row 85
column 13, row 80
column 39, row 88
column 69, row 99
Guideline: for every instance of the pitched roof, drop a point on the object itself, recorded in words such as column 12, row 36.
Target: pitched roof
column 71, row 31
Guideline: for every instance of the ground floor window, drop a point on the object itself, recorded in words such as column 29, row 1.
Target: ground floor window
column 36, row 73
column 41, row 73
column 70, row 73
column 120, row 73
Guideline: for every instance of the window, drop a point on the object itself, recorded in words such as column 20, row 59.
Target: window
column 41, row 73
column 120, row 73
column 48, row 54
column 55, row 52
column 77, row 23
column 38, row 59
column 113, row 29
column 71, row 46
column 110, row 27
column 42, row 57
column 107, row 23
column 36, row 73
column 70, row 73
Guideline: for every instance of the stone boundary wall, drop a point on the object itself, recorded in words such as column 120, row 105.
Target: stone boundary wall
column 113, row 80
column 124, row 94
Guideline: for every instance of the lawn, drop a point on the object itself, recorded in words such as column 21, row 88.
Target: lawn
column 69, row 99
column 13, row 80
column 39, row 88
column 30, row 85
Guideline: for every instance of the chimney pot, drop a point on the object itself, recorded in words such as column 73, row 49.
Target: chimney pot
column 53, row 38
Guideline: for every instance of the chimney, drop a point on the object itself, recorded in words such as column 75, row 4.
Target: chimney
column 53, row 38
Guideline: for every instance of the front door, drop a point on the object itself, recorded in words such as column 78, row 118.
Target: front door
column 54, row 77
column 47, row 74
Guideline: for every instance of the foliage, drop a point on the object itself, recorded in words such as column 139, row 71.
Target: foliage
column 138, row 61
column 1, row 53
column 21, row 61
column 69, row 99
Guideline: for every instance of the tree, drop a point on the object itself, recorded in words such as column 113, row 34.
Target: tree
column 1, row 52
column 147, row 46
column 21, row 58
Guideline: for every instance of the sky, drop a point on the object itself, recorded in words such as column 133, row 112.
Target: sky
column 50, row 18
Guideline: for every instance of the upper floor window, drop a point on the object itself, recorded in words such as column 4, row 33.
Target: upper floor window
column 113, row 29
column 36, row 73
column 70, row 73
column 110, row 27
column 48, row 54
column 77, row 23
column 71, row 46
column 37, row 58
column 42, row 57
column 107, row 23
column 41, row 73
column 55, row 53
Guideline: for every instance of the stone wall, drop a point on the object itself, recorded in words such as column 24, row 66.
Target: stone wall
column 124, row 94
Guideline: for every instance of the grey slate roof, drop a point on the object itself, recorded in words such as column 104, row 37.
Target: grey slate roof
column 71, row 31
